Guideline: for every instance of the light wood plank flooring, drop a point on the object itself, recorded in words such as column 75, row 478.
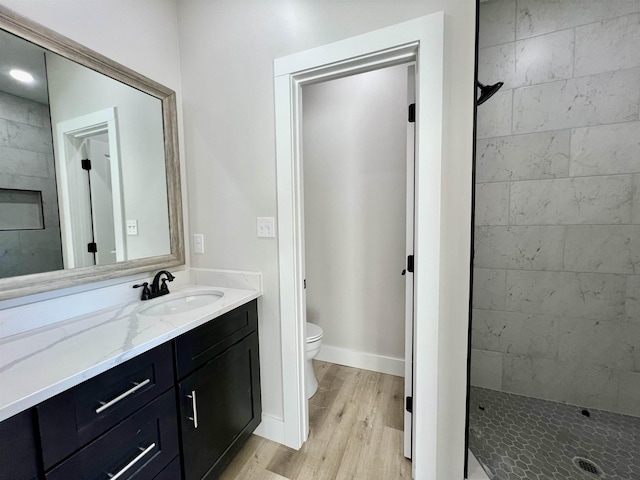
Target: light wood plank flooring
column 356, row 422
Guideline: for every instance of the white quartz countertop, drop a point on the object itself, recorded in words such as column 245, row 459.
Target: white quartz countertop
column 39, row 364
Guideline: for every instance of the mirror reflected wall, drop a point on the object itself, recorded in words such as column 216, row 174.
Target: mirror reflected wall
column 82, row 171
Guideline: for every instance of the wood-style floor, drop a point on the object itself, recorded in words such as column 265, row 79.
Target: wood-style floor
column 356, row 423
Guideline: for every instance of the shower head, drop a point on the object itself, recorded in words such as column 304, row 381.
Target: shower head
column 487, row 91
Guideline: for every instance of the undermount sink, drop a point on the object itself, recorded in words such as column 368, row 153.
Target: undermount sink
column 176, row 303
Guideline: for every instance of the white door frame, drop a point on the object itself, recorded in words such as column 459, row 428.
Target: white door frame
column 421, row 39
column 103, row 121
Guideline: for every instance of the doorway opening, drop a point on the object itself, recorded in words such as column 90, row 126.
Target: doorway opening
column 90, row 190
column 420, row 40
column 358, row 182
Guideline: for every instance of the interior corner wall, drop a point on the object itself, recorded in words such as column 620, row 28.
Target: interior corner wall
column 355, row 159
column 227, row 52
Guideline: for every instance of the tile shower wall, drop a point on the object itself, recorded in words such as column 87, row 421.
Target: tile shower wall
column 557, row 241
column 26, row 163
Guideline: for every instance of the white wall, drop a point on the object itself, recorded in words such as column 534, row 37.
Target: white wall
column 75, row 91
column 354, row 149
column 227, row 50
column 143, row 35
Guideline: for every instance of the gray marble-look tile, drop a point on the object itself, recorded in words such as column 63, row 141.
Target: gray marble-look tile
column 494, row 116
column 40, row 241
column 498, row 64
column 633, row 298
column 492, row 204
column 544, row 58
column 570, row 382
column 629, row 393
column 602, row 249
column 517, row 333
column 578, row 102
column 24, row 162
column 497, row 22
column 567, row 201
column 605, row 149
column 535, row 17
column 21, row 110
column 523, row 157
column 528, row 62
column 9, row 243
column 25, row 137
column 608, row 45
column 635, row 208
column 531, row 248
column 489, row 289
column 600, row 343
column 486, row 369
column 584, row 295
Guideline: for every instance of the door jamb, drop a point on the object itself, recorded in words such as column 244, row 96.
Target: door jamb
column 422, row 38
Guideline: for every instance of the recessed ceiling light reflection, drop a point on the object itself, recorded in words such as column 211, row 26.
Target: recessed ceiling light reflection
column 21, row 75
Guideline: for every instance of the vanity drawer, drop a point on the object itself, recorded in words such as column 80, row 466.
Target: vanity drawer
column 82, row 413
column 197, row 347
column 139, row 448
column 18, row 459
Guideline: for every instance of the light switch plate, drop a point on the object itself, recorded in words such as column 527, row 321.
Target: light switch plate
column 132, row 227
column 198, row 243
column 266, row 227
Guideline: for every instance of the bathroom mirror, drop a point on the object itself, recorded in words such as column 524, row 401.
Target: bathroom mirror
column 89, row 170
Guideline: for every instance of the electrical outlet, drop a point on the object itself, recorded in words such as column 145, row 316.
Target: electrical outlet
column 266, row 227
column 198, row 243
column 132, row 227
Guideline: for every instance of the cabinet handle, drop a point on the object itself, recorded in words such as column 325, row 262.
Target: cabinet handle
column 195, row 408
column 123, row 470
column 136, row 387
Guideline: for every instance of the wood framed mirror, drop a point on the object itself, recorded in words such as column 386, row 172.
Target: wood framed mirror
column 89, row 165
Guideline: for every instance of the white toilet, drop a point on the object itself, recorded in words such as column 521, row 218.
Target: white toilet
column 314, row 339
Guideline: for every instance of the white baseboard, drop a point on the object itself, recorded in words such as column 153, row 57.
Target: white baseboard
column 271, row 428
column 366, row 361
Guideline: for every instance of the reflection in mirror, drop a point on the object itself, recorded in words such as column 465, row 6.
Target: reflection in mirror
column 102, row 198
column 29, row 222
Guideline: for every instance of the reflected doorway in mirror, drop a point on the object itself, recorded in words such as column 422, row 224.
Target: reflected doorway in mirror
column 90, row 190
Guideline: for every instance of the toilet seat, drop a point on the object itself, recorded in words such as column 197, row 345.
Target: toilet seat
column 314, row 332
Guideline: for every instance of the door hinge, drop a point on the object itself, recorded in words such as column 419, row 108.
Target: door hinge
column 409, row 404
column 412, row 113
column 92, row 247
column 304, row 283
column 410, row 263
column 86, row 164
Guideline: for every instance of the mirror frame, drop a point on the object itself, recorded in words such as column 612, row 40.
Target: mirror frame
column 42, row 36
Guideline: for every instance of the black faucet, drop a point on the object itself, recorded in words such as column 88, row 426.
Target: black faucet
column 157, row 289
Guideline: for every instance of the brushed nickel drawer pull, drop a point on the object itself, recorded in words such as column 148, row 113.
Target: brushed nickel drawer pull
column 136, row 387
column 123, row 470
column 195, row 408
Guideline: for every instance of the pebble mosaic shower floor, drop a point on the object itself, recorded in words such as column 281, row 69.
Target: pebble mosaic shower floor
column 523, row 438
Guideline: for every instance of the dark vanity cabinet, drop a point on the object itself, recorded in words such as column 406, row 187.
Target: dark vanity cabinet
column 218, row 391
column 120, row 424
column 18, row 454
column 180, row 410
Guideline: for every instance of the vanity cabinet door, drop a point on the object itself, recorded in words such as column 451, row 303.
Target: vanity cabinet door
column 138, row 448
column 82, row 413
column 197, row 347
column 220, row 406
column 18, row 459
column 171, row 472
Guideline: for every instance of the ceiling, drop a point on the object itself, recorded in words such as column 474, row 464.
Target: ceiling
column 18, row 53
